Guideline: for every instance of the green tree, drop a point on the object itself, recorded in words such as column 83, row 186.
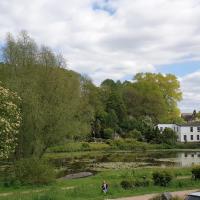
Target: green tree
column 169, row 136
column 54, row 106
column 169, row 87
column 144, row 99
column 153, row 135
column 10, row 120
column 135, row 134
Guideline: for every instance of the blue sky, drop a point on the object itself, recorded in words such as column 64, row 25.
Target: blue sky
column 181, row 68
column 103, row 6
column 116, row 38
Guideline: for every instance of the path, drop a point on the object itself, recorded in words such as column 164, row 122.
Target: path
column 149, row 196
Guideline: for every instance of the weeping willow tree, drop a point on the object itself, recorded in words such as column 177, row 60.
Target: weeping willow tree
column 53, row 105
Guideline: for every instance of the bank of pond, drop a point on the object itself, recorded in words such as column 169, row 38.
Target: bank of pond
column 122, row 183
column 127, row 173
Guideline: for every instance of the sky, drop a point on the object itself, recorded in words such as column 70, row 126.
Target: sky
column 116, row 38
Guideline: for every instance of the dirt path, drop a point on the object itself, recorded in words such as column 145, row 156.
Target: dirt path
column 149, row 196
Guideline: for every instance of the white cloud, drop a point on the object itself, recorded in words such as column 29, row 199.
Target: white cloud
column 109, row 38
column 190, row 85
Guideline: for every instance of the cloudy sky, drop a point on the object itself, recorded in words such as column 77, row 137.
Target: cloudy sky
column 116, row 38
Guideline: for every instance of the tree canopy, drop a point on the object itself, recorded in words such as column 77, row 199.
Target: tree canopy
column 59, row 104
column 10, row 119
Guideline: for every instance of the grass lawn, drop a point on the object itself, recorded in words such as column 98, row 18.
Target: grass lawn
column 89, row 188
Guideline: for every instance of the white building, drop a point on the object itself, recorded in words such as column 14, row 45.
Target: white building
column 189, row 132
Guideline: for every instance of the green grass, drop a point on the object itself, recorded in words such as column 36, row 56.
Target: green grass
column 121, row 144
column 89, row 188
column 79, row 146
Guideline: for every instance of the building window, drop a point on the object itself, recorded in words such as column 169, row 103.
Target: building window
column 177, row 128
column 197, row 137
column 191, row 129
column 191, row 137
column 198, row 129
column 161, row 128
column 185, row 138
column 186, row 155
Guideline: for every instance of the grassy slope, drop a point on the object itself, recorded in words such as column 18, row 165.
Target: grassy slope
column 89, row 188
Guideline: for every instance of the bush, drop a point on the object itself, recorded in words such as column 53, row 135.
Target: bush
column 128, row 184
column 135, row 134
column 128, row 144
column 108, row 133
column 85, row 146
column 196, row 172
column 33, row 171
column 162, row 178
column 141, row 183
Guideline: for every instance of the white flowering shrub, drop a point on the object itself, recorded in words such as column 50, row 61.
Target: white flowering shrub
column 10, row 120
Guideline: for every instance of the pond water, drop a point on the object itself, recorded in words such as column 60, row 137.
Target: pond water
column 100, row 161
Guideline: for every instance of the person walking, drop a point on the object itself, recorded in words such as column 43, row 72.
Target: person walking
column 104, row 187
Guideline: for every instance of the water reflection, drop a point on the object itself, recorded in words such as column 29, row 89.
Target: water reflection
column 188, row 158
column 116, row 160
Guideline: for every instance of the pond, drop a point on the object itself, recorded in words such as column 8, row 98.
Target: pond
column 100, row 161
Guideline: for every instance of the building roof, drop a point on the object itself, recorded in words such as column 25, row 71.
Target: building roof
column 195, row 123
column 188, row 116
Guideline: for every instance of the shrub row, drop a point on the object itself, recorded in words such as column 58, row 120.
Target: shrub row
column 129, row 184
column 78, row 146
column 160, row 178
column 31, row 171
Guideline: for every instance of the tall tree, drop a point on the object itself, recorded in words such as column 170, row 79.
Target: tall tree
column 53, row 105
column 169, row 87
column 10, row 120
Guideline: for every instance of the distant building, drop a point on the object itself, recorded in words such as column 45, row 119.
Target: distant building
column 189, row 117
column 189, row 132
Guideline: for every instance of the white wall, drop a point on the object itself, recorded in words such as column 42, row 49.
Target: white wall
column 182, row 131
column 189, row 159
column 174, row 127
column 185, row 130
column 163, row 126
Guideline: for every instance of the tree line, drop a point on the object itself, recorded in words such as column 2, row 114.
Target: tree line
column 57, row 104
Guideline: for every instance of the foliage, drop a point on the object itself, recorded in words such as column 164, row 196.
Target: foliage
column 169, row 88
column 89, row 188
column 108, row 133
column 126, row 184
column 79, row 146
column 162, row 178
column 196, row 172
column 33, row 171
column 153, row 135
column 130, row 184
column 169, row 136
column 10, row 120
column 128, row 144
column 60, row 104
column 135, row 134
column 54, row 106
